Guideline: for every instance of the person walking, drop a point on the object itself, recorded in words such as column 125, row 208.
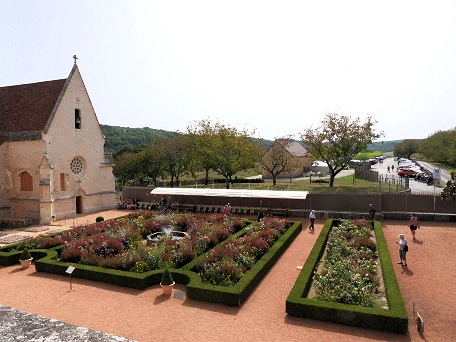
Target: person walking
column 372, row 214
column 413, row 224
column 312, row 220
column 403, row 249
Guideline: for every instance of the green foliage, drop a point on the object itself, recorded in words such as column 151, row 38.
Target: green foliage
column 449, row 191
column 167, row 278
column 406, row 148
column 338, row 140
column 25, row 254
column 99, row 219
column 440, row 147
column 124, row 139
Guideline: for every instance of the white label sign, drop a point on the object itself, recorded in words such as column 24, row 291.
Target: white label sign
column 70, row 269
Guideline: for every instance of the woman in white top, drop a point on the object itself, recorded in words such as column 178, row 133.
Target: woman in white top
column 403, row 248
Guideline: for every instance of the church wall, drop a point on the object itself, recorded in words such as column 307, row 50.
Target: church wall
column 64, row 142
column 19, row 156
column 4, row 183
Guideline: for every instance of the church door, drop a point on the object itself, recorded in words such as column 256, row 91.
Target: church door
column 78, row 204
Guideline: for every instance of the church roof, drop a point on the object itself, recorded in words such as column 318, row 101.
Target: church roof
column 27, row 107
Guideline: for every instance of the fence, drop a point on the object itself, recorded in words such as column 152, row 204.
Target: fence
column 388, row 205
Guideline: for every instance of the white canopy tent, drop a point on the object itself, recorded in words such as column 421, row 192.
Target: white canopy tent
column 296, row 195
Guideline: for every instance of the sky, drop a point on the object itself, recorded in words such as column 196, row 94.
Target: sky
column 274, row 68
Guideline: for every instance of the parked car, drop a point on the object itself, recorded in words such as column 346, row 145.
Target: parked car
column 406, row 172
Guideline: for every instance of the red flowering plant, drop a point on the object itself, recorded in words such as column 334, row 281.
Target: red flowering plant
column 225, row 265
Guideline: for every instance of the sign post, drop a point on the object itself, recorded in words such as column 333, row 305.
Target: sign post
column 70, row 270
column 436, row 177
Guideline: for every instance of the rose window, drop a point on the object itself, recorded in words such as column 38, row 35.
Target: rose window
column 76, row 166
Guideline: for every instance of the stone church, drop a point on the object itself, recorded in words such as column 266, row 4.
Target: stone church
column 52, row 160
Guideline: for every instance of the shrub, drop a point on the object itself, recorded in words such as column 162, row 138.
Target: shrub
column 99, row 219
column 167, row 278
column 25, row 254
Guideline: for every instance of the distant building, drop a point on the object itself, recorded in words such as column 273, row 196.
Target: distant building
column 52, row 160
column 289, row 153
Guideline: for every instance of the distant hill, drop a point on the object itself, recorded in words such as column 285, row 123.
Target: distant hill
column 383, row 146
column 122, row 139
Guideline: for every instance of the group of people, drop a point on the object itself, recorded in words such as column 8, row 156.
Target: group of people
column 127, row 204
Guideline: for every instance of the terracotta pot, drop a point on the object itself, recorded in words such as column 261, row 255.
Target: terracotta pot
column 26, row 263
column 167, row 289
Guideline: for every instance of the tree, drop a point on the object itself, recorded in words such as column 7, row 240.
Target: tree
column 278, row 159
column 440, row 147
column 406, row 148
column 233, row 150
column 338, row 140
column 449, row 191
column 126, row 166
column 150, row 161
column 203, row 136
column 176, row 155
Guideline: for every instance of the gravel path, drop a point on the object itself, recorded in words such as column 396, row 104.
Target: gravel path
column 149, row 316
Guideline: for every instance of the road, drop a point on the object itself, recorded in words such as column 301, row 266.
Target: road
column 415, row 186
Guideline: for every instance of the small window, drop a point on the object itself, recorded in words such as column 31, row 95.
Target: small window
column 26, row 181
column 77, row 119
column 62, row 182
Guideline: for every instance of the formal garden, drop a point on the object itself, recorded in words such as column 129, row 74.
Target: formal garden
column 220, row 258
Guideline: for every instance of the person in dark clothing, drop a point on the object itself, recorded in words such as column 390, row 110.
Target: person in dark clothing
column 372, row 214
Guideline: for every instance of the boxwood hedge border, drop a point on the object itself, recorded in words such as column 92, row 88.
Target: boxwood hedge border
column 393, row 319
column 46, row 260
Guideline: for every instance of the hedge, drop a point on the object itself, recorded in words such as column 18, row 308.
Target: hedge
column 46, row 260
column 393, row 319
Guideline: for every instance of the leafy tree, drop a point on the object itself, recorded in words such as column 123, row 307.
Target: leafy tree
column 278, row 159
column 150, row 161
column 203, row 135
column 440, row 147
column 126, row 167
column 176, row 155
column 406, row 148
column 234, row 151
column 338, row 140
column 449, row 191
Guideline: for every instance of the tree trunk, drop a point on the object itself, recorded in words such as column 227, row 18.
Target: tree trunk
column 331, row 179
column 206, row 178
column 274, row 180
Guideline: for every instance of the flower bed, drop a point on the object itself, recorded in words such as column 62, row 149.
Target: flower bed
column 348, row 272
column 299, row 304
column 226, row 264
column 94, row 243
column 118, row 243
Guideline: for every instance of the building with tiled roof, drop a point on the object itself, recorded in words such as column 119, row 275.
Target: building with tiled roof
column 52, row 160
column 284, row 159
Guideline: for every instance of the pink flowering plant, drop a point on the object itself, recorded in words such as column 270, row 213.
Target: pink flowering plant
column 348, row 272
column 119, row 244
column 226, row 264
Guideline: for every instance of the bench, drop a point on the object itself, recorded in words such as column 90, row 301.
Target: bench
column 278, row 211
column 15, row 222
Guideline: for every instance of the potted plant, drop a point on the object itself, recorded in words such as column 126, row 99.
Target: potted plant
column 167, row 282
column 25, row 258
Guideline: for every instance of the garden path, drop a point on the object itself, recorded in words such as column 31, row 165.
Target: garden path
column 149, row 316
